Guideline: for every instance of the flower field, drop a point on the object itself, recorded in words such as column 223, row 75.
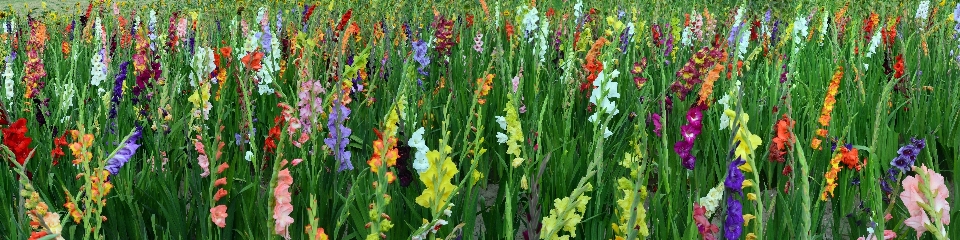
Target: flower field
column 481, row 119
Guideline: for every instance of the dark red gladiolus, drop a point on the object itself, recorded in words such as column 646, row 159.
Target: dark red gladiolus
column 344, row 19
column 58, row 144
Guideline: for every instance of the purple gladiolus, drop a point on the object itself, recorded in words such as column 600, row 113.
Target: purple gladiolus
column 125, row 152
column 339, row 135
column 734, row 181
column 733, row 226
column 118, row 89
column 420, row 55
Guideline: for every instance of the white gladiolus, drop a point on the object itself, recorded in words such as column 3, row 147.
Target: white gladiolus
column 541, row 48
column 578, row 10
column 8, row 63
column 923, row 9
column 501, row 137
column 742, row 46
column 202, row 65
column 799, row 32
column 98, row 70
column 874, row 43
column 824, row 26
column 685, row 37
column 530, row 22
column 739, row 17
column 496, row 14
column 712, row 200
column 152, row 32
column 8, row 77
column 420, row 162
column 66, row 97
column 604, row 90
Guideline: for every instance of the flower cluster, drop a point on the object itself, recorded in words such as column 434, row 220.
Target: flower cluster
column 201, row 101
column 282, row 206
column 202, row 158
column 631, row 192
column 592, row 65
column 339, row 135
column 689, row 132
column 828, row 104
column 783, row 139
column 565, row 220
column 420, row 162
column 420, row 55
column 80, row 147
column 514, row 136
column 478, row 42
column 273, row 135
column 437, row 180
column 799, row 32
column 702, row 219
column 43, row 222
column 925, row 196
column 907, row 154
column 734, row 183
column 33, row 68
column 605, row 89
column 310, row 104
column 693, row 71
column 387, row 141
column 98, row 69
column 530, row 19
column 124, row 152
column 443, row 35
column 707, row 89
column 8, row 74
column 844, row 154
column 637, row 70
column 118, row 90
column 485, row 83
column 711, row 201
column 923, row 10
column 15, row 137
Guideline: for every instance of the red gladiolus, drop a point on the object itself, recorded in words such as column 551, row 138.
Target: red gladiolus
column 15, row 138
column 344, row 19
column 252, row 60
column 274, row 135
column 57, row 151
column 898, row 67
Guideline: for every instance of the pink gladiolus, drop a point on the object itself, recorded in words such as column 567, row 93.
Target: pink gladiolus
column 282, row 208
column 219, row 215
column 913, row 195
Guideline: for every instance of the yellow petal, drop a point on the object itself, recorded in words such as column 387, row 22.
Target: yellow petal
column 746, row 167
column 747, row 183
column 747, row 218
column 751, row 196
column 516, row 162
